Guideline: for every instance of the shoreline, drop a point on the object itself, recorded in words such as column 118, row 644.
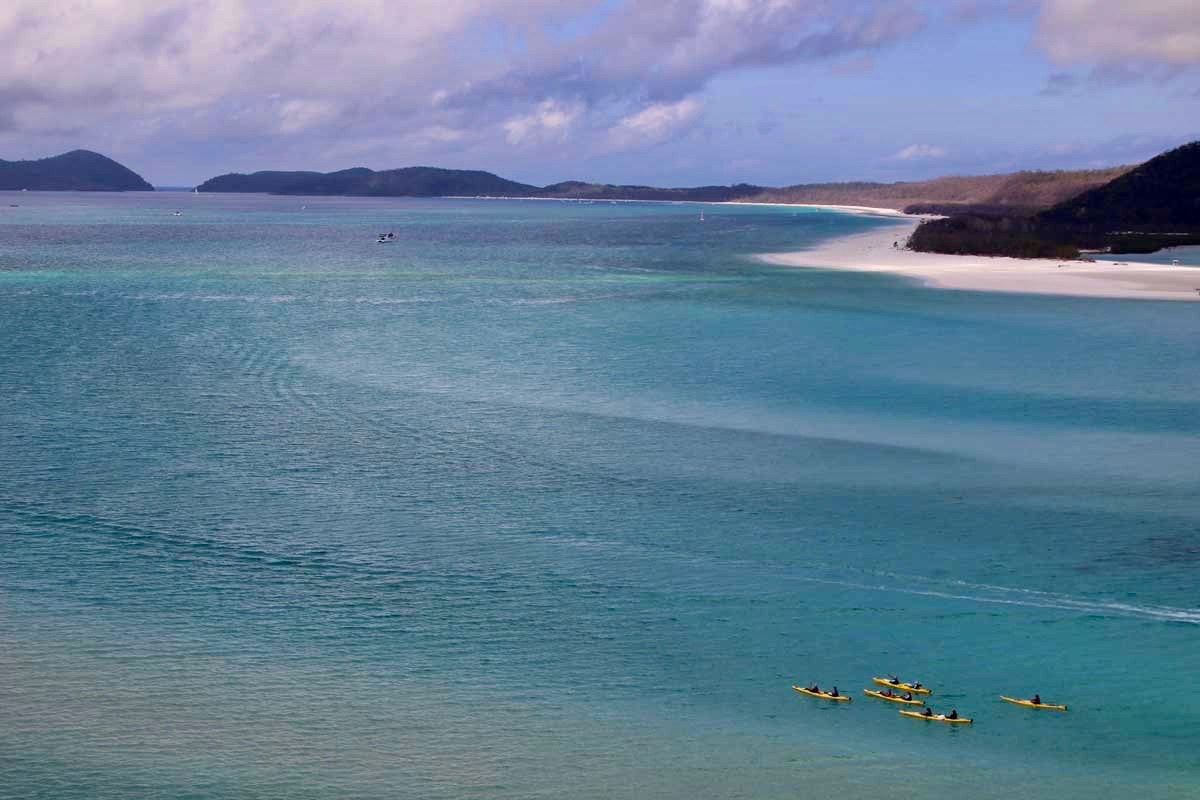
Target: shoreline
column 871, row 211
column 867, row 211
column 873, row 251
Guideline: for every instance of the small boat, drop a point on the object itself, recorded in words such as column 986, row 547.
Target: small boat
column 176, row 213
column 841, row 698
column 1031, row 704
column 937, row 718
column 702, row 216
column 905, row 686
column 896, row 699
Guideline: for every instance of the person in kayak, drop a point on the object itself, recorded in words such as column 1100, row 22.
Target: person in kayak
column 907, row 696
column 928, row 712
column 815, row 688
column 888, row 693
column 1036, row 699
column 917, row 685
column 893, row 680
column 834, row 692
column 953, row 714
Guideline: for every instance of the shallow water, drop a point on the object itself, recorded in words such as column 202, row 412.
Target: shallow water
column 559, row 499
column 1186, row 256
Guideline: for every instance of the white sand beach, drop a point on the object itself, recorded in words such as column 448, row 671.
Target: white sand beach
column 870, row 211
column 874, row 252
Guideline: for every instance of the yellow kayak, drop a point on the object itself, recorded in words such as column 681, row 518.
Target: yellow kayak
column 937, row 718
column 883, row 696
column 1030, row 704
column 841, row 698
column 902, row 686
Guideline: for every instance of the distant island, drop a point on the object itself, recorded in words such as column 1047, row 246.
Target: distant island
column 1029, row 191
column 1028, row 214
column 78, row 170
column 1146, row 208
column 437, row 182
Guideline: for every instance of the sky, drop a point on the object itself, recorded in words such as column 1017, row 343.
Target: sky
column 661, row 92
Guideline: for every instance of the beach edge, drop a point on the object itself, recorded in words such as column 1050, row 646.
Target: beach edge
column 882, row 250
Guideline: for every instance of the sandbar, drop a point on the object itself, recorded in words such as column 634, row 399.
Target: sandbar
column 876, row 251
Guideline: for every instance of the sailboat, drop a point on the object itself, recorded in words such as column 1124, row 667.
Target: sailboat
column 702, row 215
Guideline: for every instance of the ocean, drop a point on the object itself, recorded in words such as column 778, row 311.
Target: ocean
column 558, row 499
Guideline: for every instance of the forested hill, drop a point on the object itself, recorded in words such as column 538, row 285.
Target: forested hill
column 1027, row 191
column 406, row 182
column 1159, row 196
column 80, row 170
column 1153, row 205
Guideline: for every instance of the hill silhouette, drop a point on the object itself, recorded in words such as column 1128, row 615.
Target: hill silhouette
column 1159, row 196
column 1151, row 206
column 1020, row 192
column 79, row 170
column 404, row 182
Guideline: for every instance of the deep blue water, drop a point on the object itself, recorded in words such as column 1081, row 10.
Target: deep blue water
column 558, row 499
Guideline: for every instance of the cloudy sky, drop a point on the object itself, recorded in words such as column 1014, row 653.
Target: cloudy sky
column 677, row 92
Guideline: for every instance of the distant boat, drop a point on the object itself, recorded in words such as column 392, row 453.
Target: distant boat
column 702, row 215
column 384, row 238
column 176, row 213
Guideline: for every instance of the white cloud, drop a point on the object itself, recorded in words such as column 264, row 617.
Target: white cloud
column 129, row 55
column 549, row 121
column 920, row 152
column 654, row 123
column 299, row 115
column 298, row 78
column 1164, row 32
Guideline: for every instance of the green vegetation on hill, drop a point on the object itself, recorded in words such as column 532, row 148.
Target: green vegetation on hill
column 267, row 182
column 78, row 170
column 1151, row 206
column 1024, row 191
column 436, row 182
column 1160, row 196
column 988, row 235
column 406, row 182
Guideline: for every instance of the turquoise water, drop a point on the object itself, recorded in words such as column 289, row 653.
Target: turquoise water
column 558, row 500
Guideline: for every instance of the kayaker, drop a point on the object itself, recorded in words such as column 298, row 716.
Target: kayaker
column 953, row 714
column 888, row 693
column 834, row 693
column 893, row 680
column 1036, row 699
column 917, row 685
column 928, row 712
column 815, row 688
column 908, row 695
